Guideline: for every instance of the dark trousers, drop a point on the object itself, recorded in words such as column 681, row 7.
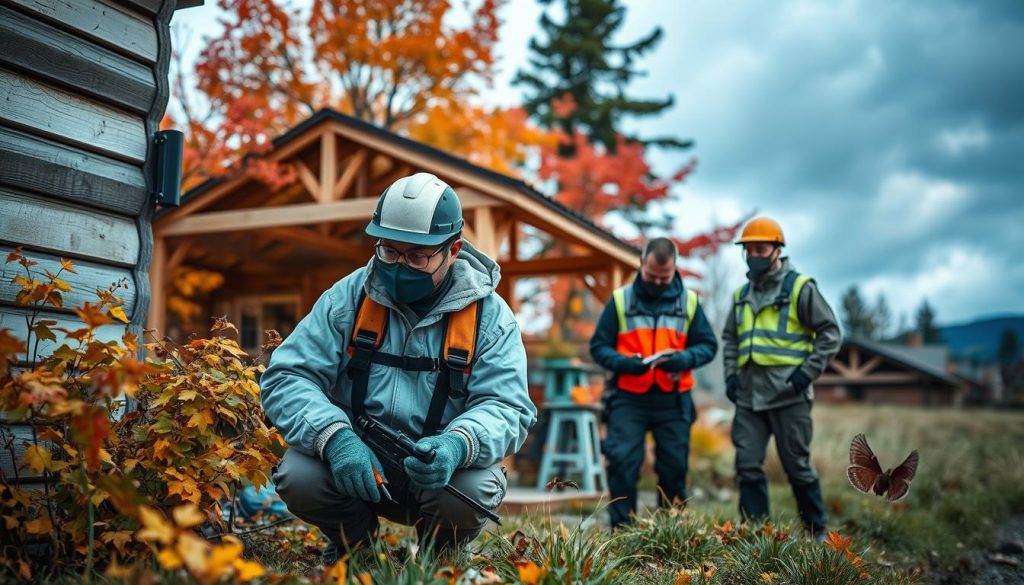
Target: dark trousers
column 793, row 429
column 668, row 416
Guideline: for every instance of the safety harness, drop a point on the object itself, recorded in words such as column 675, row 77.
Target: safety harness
column 453, row 364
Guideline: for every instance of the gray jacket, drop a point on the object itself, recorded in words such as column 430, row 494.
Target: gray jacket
column 308, row 395
column 764, row 388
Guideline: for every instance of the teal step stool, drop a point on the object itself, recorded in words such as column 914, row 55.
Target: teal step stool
column 573, row 446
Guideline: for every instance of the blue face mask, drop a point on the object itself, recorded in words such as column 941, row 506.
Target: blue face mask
column 403, row 284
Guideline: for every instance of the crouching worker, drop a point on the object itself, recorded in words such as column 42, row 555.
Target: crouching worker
column 418, row 341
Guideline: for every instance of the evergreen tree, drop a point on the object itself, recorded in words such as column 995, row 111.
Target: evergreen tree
column 926, row 323
column 1009, row 347
column 857, row 318
column 578, row 59
column 882, row 317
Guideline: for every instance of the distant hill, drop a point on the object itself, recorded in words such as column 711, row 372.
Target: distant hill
column 979, row 339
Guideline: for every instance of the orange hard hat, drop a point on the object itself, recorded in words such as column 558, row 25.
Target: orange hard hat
column 762, row 229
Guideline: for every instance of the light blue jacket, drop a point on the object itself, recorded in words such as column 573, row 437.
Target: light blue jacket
column 310, row 364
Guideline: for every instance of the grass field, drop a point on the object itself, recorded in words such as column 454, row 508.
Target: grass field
column 970, row 477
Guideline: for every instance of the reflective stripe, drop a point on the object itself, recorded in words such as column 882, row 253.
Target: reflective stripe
column 781, row 351
column 619, row 296
column 772, row 333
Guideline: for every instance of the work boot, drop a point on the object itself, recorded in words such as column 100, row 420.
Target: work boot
column 754, row 503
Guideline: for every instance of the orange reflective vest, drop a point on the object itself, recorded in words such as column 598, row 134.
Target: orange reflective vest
column 647, row 334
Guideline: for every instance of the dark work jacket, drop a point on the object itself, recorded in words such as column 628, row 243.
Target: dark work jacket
column 701, row 343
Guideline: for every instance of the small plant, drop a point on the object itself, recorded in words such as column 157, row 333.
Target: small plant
column 115, row 442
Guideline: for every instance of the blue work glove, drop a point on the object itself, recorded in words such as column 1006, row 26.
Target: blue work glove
column 633, row 365
column 732, row 386
column 350, row 461
column 799, row 380
column 451, row 453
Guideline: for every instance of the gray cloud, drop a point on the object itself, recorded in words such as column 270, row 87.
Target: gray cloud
column 886, row 136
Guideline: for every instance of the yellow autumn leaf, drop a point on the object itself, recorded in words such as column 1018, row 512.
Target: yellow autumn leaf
column 169, row 559
column 224, row 556
column 683, row 578
column 118, row 313
column 248, row 570
column 60, row 284
column 530, row 573
column 155, row 527
column 38, row 458
column 67, row 265
column 194, row 552
column 338, row 573
column 364, row 579
column 120, row 538
column 187, row 516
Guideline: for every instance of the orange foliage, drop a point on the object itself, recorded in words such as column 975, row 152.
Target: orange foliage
column 499, row 139
column 196, row 432
column 394, row 64
column 595, row 181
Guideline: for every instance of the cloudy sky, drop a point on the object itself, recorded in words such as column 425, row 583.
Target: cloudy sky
column 886, row 136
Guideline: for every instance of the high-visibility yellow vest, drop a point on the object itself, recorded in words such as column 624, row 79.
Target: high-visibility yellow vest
column 647, row 334
column 775, row 336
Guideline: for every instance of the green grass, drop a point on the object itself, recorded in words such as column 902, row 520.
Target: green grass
column 970, row 476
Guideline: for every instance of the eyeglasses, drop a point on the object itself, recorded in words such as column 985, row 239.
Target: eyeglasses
column 413, row 259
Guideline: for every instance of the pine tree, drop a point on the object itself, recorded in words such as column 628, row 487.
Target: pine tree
column 857, row 317
column 882, row 317
column 1009, row 347
column 926, row 323
column 577, row 65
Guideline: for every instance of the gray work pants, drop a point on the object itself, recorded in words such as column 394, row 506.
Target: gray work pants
column 306, row 485
column 792, row 427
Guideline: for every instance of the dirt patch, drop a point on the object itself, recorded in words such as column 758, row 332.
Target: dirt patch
column 1000, row 564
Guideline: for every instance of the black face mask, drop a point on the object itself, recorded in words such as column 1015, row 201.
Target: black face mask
column 759, row 265
column 650, row 290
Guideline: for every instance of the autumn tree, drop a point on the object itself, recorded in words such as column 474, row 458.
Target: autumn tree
column 402, row 66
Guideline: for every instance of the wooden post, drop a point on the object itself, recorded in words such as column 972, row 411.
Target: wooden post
column 616, row 276
column 328, row 166
column 483, row 225
column 157, row 317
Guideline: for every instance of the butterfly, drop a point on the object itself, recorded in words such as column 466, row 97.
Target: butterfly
column 867, row 476
column 557, row 483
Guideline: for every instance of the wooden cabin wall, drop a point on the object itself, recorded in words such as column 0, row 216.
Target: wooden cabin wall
column 83, row 86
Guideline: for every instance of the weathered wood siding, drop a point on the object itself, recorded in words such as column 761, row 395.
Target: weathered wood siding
column 83, row 86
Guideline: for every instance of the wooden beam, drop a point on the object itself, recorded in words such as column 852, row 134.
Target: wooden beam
column 176, row 258
column 355, row 163
column 308, row 180
column 545, row 266
column 328, row 166
column 871, row 365
column 513, row 240
column 157, row 317
column 285, row 215
column 842, row 369
column 316, row 240
column 854, row 357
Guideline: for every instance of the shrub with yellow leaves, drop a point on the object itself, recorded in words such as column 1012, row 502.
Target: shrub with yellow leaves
column 108, row 432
